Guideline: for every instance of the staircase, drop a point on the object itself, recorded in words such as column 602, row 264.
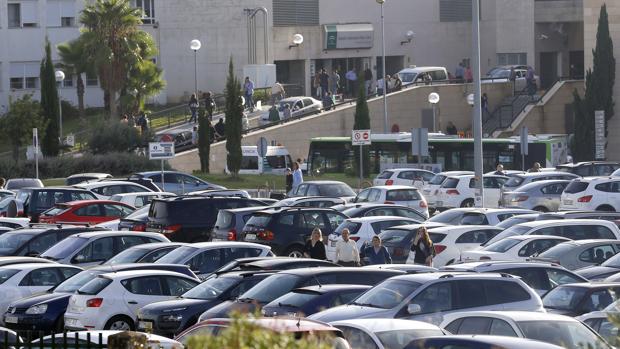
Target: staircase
column 507, row 111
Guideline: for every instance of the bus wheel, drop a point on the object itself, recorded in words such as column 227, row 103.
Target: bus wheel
column 468, row 203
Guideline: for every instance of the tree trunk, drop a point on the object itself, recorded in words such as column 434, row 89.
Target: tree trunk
column 80, row 95
column 113, row 106
column 16, row 154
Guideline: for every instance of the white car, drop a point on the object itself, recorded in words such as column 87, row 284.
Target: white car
column 404, row 176
column 477, row 216
column 310, row 201
column 384, row 333
column 140, row 199
column 14, row 222
column 105, row 190
column 93, row 337
column 545, row 327
column 513, row 248
column 458, row 191
column 459, row 239
column 111, row 301
column 592, row 194
column 394, row 194
column 19, row 281
column 430, row 189
column 94, row 248
column 298, row 106
column 599, row 322
column 222, row 192
column 363, row 230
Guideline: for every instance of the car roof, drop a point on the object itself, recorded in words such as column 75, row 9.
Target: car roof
column 577, row 164
column 501, row 341
column 89, row 202
column 28, row 266
column 464, row 228
column 372, row 219
column 590, row 242
column 380, row 325
column 388, row 187
column 133, row 273
column 103, row 183
column 91, row 174
column 324, row 182
column 406, row 169
column 594, row 285
column 467, row 266
column 515, row 315
column 536, row 224
column 156, row 245
column 145, row 193
column 322, row 289
column 272, row 210
column 280, row 324
column 426, row 277
column 324, row 270
column 245, row 209
column 536, row 237
column 223, row 244
column 96, row 234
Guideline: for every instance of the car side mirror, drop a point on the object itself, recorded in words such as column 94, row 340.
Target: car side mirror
column 413, row 309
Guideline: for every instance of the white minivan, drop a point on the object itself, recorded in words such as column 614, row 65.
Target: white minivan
column 416, row 74
column 276, row 161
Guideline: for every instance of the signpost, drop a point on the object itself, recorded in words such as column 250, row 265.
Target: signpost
column 261, row 147
column 361, row 138
column 524, row 146
column 35, row 144
column 599, row 134
column 419, row 143
column 161, row 151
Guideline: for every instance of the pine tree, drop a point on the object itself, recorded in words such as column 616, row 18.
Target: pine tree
column 362, row 122
column 50, row 145
column 234, row 115
column 204, row 140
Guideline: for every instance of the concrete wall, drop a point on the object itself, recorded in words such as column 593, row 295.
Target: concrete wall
column 404, row 109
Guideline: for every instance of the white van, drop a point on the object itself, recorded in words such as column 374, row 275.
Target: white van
column 415, row 74
column 276, row 161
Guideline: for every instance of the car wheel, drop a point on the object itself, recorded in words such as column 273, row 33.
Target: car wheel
column 605, row 208
column 541, row 209
column 119, row 323
column 295, row 252
column 468, row 203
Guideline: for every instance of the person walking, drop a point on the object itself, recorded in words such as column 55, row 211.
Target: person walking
column 347, row 254
column 298, row 177
column 530, row 81
column 324, row 82
column 274, row 115
column 317, row 85
column 389, row 84
column 209, row 104
column 459, row 73
column 314, row 247
column 377, row 253
column 351, row 77
column 248, row 92
column 335, row 82
column 286, row 113
column 423, row 248
column 381, row 86
column 195, row 136
column 277, row 93
column 484, row 100
column 289, row 180
column 193, row 108
column 499, row 170
column 451, row 129
column 535, row 167
column 397, row 83
column 469, row 75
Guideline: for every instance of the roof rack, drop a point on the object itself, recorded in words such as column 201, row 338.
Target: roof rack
column 446, row 276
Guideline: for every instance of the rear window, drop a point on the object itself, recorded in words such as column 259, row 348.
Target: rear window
column 502, row 245
column 352, row 226
column 402, row 195
column 95, row 286
column 576, row 187
column 224, row 219
column 514, row 182
column 450, row 183
column 297, row 299
column 337, row 190
column 158, row 210
column 258, row 220
column 437, row 180
column 385, row 175
column 436, row 237
column 395, row 236
column 474, row 219
column 56, row 210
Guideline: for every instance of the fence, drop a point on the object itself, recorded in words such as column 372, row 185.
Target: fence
column 32, row 340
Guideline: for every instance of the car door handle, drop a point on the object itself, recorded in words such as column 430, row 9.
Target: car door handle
column 132, row 302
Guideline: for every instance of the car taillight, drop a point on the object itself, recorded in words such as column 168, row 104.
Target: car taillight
column 423, row 204
column 452, row 192
column 586, row 198
column 439, row 248
column 171, row 229
column 389, row 182
column 139, row 227
column 232, row 235
column 94, row 302
column 389, row 202
column 354, row 238
column 265, row 235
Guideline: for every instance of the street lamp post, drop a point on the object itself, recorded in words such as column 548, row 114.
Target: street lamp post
column 477, row 112
column 433, row 99
column 60, row 77
column 385, row 114
column 195, row 45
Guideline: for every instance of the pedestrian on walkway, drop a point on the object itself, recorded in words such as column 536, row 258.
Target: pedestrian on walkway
column 277, row 93
column 389, row 85
column 459, row 73
column 248, row 92
column 324, row 81
column 289, row 180
column 298, row 177
column 351, row 77
column 195, row 136
column 328, row 101
column 397, row 83
column 380, row 86
column 451, row 129
column 485, row 103
column 469, row 75
column 317, row 85
column 334, row 82
column 274, row 115
column 368, row 81
column 530, row 81
column 535, row 167
column 377, row 253
column 347, row 254
column 193, row 107
column 314, row 247
column 209, row 104
column 286, row 113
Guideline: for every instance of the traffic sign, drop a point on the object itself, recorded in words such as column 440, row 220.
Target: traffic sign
column 261, row 147
column 70, row 140
column 524, row 141
column 361, row 137
column 161, row 150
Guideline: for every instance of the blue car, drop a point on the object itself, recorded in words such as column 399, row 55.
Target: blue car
column 45, row 312
column 176, row 182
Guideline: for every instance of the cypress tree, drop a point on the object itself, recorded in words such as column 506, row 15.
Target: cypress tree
column 234, row 114
column 362, row 122
column 50, row 145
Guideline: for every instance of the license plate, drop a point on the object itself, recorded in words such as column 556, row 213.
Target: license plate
column 10, row 319
column 70, row 322
column 250, row 236
column 568, row 202
column 145, row 325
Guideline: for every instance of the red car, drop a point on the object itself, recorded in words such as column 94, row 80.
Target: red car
column 86, row 211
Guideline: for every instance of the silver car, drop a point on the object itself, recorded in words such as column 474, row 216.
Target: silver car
column 581, row 253
column 543, row 196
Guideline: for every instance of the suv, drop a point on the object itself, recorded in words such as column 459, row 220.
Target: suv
column 590, row 168
column 190, row 218
column 230, row 223
column 593, row 193
column 31, row 202
column 286, row 230
column 427, row 297
column 404, row 176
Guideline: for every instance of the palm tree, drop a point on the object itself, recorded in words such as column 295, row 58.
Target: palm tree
column 114, row 43
column 145, row 80
column 75, row 62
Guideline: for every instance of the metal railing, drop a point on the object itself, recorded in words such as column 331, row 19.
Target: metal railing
column 32, row 340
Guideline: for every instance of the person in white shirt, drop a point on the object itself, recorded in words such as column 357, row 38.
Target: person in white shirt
column 347, row 253
column 277, row 93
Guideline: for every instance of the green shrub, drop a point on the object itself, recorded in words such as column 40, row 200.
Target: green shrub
column 69, row 112
column 263, row 95
column 114, row 136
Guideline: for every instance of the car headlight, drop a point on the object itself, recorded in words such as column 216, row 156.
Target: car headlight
column 172, row 318
column 37, row 309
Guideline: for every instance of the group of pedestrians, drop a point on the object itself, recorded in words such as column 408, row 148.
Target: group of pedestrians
column 422, row 250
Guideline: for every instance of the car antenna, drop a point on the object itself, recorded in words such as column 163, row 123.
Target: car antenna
column 317, row 281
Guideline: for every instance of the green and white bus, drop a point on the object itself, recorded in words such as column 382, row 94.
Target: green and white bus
column 446, row 153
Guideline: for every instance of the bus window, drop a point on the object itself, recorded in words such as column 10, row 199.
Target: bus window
column 249, row 163
column 277, row 161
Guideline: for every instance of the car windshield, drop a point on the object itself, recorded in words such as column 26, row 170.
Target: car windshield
column 6, row 274
column 271, row 288
column 78, row 280
column 397, row 339
column 131, row 255
column 387, row 294
column 514, row 182
column 512, row 231
column 437, row 179
column 211, row 289
column 335, row 190
column 11, row 241
column 295, row 299
column 567, row 334
column 353, row 227
column 178, row 256
column 502, row 245
column 564, row 298
column 64, row 248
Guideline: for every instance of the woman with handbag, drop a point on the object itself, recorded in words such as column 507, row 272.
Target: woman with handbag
column 423, row 248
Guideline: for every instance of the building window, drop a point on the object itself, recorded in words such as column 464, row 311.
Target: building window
column 15, row 20
column 22, row 14
column 295, row 13
column 61, row 13
column 511, row 58
column 68, row 81
column 455, row 10
column 32, row 82
column 24, row 75
column 17, row 83
column 91, row 80
column 148, row 10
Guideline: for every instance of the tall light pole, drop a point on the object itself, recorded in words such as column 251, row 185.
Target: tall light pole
column 433, row 99
column 385, row 115
column 195, row 46
column 477, row 112
column 60, row 77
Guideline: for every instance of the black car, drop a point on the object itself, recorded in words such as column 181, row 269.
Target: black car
column 168, row 318
column 601, row 272
column 312, row 299
column 190, row 218
column 283, row 282
column 367, row 210
column 272, row 263
column 34, row 241
column 229, row 223
column 19, row 183
column 56, row 300
column 145, row 253
column 182, row 139
column 580, row 298
column 136, row 221
column 31, row 202
column 590, row 168
column 286, row 230
column 398, row 240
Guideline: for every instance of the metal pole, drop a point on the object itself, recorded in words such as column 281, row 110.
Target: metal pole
column 60, row 116
column 361, row 167
column 477, row 112
column 196, row 73
column 522, row 162
column 434, row 115
column 385, row 114
column 163, row 188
